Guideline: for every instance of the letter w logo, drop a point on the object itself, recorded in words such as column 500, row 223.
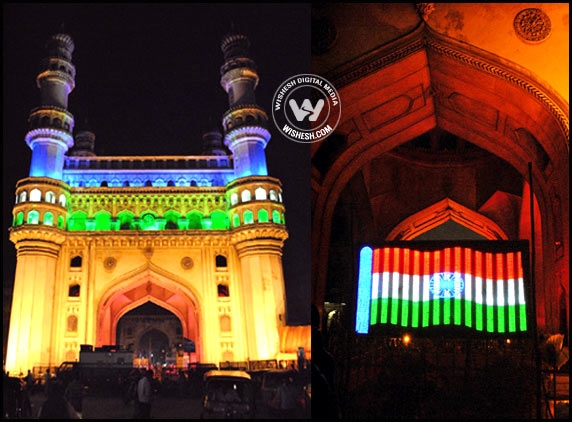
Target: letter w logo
column 307, row 109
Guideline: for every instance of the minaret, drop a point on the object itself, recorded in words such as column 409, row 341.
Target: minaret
column 244, row 123
column 84, row 144
column 51, row 124
column 39, row 216
column 256, row 210
column 213, row 143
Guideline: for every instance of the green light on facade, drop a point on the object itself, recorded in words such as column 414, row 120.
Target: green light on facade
column 103, row 221
column 33, row 217
column 48, row 219
column 195, row 221
column 262, row 216
column 149, row 221
column 219, row 220
column 276, row 217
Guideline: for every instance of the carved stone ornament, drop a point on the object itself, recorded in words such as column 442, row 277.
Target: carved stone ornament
column 109, row 263
column 532, row 25
column 186, row 263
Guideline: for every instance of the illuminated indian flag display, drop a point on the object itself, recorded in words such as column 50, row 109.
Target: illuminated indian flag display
column 422, row 287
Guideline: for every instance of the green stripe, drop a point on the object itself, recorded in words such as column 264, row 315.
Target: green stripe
column 479, row 316
column 447, row 311
column 407, row 313
column 384, row 310
column 458, row 313
column 394, row 310
column 501, row 319
column 415, row 307
column 522, row 311
column 490, row 318
column 468, row 313
column 436, row 312
column 511, row 318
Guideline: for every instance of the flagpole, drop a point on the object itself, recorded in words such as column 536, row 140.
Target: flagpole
column 533, row 291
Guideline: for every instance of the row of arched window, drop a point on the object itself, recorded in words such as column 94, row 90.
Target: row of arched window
column 36, row 196
column 218, row 220
column 170, row 220
column 48, row 121
column 181, row 182
column 33, row 217
column 221, row 162
column 262, row 216
column 260, row 194
column 127, row 221
column 58, row 65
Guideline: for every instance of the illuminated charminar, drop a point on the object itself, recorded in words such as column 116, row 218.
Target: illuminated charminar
column 96, row 237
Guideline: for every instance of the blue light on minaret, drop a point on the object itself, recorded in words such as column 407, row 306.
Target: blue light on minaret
column 51, row 124
column 245, row 123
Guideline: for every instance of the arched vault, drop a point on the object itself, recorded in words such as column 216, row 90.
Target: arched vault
column 148, row 283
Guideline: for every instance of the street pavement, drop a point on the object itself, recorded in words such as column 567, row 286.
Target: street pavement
column 99, row 407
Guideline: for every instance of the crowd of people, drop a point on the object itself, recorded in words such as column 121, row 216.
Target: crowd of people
column 60, row 395
column 64, row 393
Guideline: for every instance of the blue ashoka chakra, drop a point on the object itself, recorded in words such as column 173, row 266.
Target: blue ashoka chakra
column 446, row 285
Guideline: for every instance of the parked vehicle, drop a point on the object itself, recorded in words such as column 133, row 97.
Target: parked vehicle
column 228, row 394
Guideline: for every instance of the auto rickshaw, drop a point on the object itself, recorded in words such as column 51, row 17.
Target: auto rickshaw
column 228, row 394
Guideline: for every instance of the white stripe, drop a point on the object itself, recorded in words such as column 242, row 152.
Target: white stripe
column 521, row 300
column 511, row 299
column 468, row 283
column 405, row 286
column 385, row 285
column 415, row 296
column 500, row 293
column 478, row 290
column 426, row 282
column 490, row 297
column 395, row 286
column 375, row 286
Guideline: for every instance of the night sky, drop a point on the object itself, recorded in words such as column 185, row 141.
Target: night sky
column 148, row 83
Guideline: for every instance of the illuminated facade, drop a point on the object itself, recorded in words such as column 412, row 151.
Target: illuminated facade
column 96, row 237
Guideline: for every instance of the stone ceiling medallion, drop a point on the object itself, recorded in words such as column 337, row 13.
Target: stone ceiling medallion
column 532, row 25
column 109, row 263
column 187, row 263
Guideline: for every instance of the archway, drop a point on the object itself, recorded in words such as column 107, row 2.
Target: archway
column 153, row 334
column 149, row 285
column 441, row 213
column 424, row 85
column 155, row 345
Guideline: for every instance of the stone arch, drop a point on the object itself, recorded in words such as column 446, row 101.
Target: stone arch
column 149, row 284
column 439, row 213
column 460, row 89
